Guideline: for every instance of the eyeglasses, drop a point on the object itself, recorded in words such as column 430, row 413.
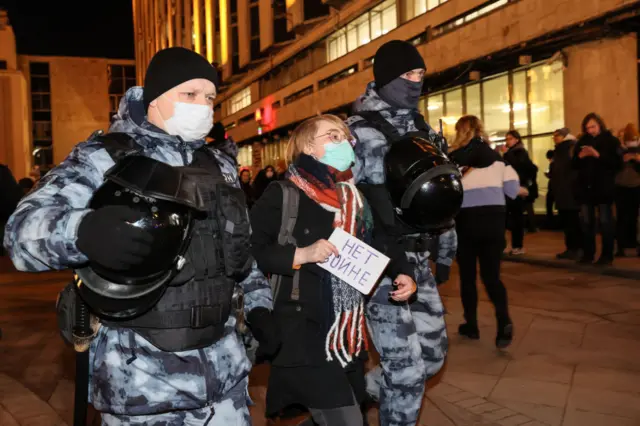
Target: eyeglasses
column 336, row 136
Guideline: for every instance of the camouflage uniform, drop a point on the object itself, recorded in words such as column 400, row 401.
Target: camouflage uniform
column 130, row 379
column 410, row 338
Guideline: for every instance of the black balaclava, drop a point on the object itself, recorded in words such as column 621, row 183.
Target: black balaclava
column 391, row 61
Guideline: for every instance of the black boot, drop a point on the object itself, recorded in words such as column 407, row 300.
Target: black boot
column 604, row 261
column 504, row 336
column 469, row 331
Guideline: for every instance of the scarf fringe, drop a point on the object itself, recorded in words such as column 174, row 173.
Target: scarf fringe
column 347, row 336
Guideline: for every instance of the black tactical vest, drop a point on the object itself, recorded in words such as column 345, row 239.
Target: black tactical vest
column 197, row 303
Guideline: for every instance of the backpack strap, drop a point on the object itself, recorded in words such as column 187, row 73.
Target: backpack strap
column 290, row 204
column 118, row 145
column 378, row 122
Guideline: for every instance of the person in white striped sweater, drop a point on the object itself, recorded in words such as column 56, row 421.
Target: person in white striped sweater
column 480, row 225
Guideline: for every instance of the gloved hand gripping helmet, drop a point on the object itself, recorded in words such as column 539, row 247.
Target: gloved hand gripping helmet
column 168, row 199
column 424, row 185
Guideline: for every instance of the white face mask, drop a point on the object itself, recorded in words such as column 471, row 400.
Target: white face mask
column 191, row 122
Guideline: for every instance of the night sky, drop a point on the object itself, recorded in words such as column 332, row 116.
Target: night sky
column 71, row 28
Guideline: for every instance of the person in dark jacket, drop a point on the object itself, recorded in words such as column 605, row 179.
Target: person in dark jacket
column 518, row 158
column 550, row 198
column 487, row 183
column 562, row 182
column 597, row 160
column 247, row 188
column 26, row 184
column 628, row 193
column 309, row 369
column 263, row 179
column 10, row 195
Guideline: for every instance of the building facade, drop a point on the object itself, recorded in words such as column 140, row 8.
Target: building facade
column 529, row 65
column 50, row 103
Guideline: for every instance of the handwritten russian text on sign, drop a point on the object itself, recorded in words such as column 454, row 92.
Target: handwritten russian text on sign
column 359, row 265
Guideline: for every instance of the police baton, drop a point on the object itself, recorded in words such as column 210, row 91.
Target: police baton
column 82, row 332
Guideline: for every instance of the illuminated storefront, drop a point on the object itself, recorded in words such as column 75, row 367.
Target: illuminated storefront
column 529, row 100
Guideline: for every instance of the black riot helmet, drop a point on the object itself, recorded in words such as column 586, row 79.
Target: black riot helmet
column 168, row 199
column 424, row 185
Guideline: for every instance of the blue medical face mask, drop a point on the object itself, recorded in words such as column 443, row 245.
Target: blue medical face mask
column 339, row 155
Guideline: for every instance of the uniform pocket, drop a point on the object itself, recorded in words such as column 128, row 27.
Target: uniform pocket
column 235, row 229
column 393, row 331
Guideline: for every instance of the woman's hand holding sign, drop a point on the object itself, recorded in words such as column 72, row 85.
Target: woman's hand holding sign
column 405, row 287
column 317, row 252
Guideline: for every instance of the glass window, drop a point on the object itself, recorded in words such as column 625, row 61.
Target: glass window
column 520, row 119
column 352, row 38
column 380, row 20
column 389, row 19
column 363, row 32
column 496, row 107
column 453, row 101
column 422, row 107
column 473, row 100
column 546, row 97
column 240, row 100
column 245, row 156
column 376, row 25
column 435, row 109
column 432, row 3
column 419, row 7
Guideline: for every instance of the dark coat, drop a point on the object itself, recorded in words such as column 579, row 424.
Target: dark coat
column 596, row 176
column 518, row 158
column 300, row 373
column 261, row 182
column 10, row 194
column 563, row 176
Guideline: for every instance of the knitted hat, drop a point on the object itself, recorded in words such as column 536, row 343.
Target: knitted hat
column 393, row 59
column 171, row 67
column 562, row 132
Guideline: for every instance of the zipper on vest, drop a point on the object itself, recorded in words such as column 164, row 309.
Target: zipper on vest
column 182, row 147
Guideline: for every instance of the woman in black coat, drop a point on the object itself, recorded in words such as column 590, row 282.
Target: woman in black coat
column 518, row 158
column 310, row 369
column 597, row 159
column 262, row 180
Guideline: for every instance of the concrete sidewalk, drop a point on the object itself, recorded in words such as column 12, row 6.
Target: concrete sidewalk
column 542, row 247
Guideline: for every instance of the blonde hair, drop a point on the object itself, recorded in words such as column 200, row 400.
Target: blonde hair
column 303, row 135
column 467, row 128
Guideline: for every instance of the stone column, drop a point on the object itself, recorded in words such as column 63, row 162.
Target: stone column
column 188, row 28
column 178, row 23
column 244, row 33
column 602, row 77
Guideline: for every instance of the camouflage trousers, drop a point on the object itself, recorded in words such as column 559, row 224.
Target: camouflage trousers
column 232, row 410
column 412, row 342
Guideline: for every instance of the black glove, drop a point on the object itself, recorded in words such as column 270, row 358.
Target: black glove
column 106, row 238
column 265, row 330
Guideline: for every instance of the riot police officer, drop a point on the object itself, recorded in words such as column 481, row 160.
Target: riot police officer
column 180, row 360
column 386, row 113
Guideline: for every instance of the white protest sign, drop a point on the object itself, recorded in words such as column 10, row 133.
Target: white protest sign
column 359, row 265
